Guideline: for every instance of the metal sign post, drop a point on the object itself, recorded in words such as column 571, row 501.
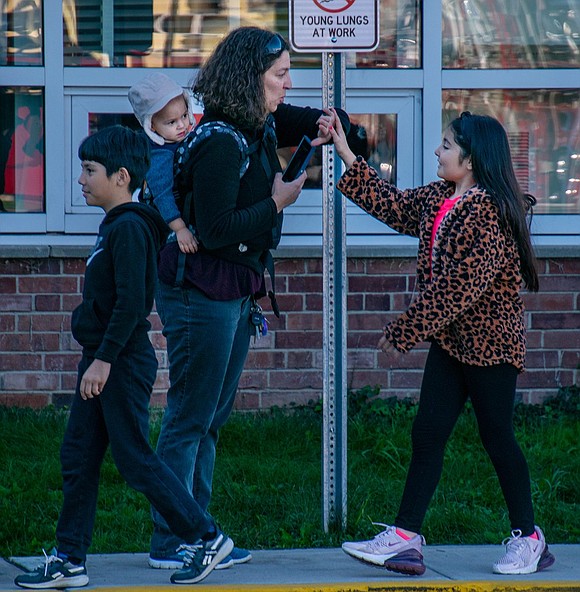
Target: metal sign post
column 333, row 26
column 334, row 313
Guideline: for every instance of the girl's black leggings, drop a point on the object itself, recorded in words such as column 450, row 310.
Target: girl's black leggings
column 447, row 383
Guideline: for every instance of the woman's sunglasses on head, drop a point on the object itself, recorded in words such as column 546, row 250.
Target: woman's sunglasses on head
column 275, row 46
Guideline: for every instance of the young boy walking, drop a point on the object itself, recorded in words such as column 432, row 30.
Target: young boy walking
column 116, row 374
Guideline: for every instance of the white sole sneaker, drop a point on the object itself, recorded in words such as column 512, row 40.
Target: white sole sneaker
column 524, row 555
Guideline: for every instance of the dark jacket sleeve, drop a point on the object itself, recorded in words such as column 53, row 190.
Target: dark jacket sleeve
column 128, row 245
column 160, row 181
column 294, row 122
column 228, row 212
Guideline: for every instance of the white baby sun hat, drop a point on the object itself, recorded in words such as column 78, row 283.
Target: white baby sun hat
column 150, row 95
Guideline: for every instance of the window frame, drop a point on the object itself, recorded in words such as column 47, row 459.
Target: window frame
column 62, row 84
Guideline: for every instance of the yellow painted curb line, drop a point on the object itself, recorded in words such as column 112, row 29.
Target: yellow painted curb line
column 440, row 586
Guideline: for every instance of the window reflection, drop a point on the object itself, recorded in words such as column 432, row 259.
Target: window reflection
column 372, row 136
column 182, row 33
column 544, row 131
column 507, row 34
column 399, row 45
column 99, row 121
column 156, row 33
column 378, row 133
column 21, row 33
column 106, row 32
column 21, row 150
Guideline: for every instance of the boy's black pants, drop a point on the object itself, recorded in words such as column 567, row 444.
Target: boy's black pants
column 119, row 416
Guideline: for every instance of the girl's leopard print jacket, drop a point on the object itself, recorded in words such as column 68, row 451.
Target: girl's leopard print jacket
column 469, row 301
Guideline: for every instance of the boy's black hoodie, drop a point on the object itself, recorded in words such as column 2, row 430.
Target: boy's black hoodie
column 119, row 284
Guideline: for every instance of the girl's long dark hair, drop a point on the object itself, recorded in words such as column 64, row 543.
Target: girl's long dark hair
column 484, row 140
column 230, row 82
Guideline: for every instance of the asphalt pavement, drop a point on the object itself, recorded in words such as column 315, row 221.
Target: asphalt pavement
column 464, row 568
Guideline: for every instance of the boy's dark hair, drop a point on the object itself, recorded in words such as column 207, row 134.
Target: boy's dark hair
column 118, row 146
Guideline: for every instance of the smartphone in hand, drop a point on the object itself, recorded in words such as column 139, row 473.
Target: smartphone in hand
column 299, row 160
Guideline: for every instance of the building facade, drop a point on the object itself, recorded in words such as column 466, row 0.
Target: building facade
column 65, row 69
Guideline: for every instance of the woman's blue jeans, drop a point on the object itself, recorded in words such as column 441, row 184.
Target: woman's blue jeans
column 207, row 346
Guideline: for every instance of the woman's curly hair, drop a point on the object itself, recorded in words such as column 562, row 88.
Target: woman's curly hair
column 230, row 82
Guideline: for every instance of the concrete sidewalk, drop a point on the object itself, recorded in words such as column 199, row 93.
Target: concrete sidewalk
column 449, row 569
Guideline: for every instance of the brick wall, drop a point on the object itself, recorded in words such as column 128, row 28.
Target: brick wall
column 38, row 356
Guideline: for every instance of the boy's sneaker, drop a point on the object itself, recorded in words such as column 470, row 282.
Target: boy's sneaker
column 236, row 557
column 391, row 551
column 524, row 555
column 202, row 558
column 55, row 573
column 176, row 560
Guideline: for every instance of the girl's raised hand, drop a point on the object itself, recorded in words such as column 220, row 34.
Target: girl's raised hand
column 340, row 143
column 324, row 123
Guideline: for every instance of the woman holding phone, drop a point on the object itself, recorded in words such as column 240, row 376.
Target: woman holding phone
column 237, row 214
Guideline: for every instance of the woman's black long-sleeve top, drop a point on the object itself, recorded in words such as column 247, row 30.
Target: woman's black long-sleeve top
column 235, row 217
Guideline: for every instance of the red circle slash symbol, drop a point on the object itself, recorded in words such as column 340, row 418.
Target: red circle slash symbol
column 334, row 5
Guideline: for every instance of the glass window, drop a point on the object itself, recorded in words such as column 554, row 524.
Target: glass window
column 21, row 33
column 99, row 121
column 182, row 33
column 21, row 150
column 372, row 136
column 544, row 131
column 399, row 45
column 157, row 33
column 488, row 34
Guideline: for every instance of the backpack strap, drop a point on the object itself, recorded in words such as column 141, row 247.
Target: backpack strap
column 269, row 136
column 204, row 131
column 144, row 195
column 268, row 262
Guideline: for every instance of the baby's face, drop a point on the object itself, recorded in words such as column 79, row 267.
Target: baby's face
column 172, row 122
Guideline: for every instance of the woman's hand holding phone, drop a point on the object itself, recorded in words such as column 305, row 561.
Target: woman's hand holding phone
column 285, row 194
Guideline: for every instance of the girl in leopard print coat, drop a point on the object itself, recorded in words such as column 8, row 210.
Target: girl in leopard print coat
column 474, row 255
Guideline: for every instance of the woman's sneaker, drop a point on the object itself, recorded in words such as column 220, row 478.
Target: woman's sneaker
column 174, row 561
column 236, row 557
column 524, row 555
column 391, row 551
column 55, row 573
column 202, row 558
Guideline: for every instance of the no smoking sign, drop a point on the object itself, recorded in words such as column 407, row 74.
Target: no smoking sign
column 334, row 25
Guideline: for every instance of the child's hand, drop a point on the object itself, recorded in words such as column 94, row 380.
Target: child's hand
column 186, row 241
column 388, row 348
column 94, row 379
column 340, row 143
column 325, row 122
column 384, row 345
